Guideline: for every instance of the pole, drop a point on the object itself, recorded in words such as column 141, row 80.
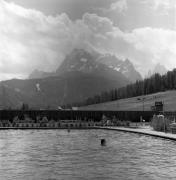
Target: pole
column 164, row 124
column 143, row 100
column 164, row 119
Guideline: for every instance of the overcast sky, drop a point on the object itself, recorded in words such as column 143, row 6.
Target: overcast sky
column 37, row 34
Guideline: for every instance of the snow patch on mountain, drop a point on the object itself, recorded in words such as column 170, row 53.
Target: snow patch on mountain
column 17, row 90
column 117, row 68
column 83, row 60
column 72, row 66
column 38, row 87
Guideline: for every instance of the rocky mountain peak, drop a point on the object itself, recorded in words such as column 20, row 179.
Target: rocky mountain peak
column 125, row 67
column 83, row 61
column 159, row 68
column 78, row 60
column 128, row 63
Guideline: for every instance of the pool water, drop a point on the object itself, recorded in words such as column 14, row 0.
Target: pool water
column 78, row 155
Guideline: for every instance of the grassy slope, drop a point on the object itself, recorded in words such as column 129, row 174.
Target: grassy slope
column 136, row 103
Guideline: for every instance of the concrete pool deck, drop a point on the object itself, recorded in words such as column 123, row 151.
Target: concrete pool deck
column 145, row 130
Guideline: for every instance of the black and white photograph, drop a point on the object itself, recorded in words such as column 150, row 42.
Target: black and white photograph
column 87, row 89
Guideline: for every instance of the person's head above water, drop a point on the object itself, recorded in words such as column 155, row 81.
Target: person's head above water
column 103, row 142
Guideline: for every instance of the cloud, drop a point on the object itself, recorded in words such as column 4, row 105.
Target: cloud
column 117, row 7
column 154, row 45
column 120, row 6
column 31, row 40
column 163, row 7
column 166, row 4
column 144, row 46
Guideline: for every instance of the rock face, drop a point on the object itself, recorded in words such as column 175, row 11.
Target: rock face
column 82, row 61
column 125, row 67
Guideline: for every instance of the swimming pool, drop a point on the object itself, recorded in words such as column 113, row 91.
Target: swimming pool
column 74, row 155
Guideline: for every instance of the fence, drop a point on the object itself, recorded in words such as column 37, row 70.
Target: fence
column 133, row 116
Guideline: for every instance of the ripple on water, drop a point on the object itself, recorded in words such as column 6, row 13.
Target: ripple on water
column 57, row 154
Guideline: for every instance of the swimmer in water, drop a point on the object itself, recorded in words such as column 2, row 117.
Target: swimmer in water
column 103, row 142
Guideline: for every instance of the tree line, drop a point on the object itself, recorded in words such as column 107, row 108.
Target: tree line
column 155, row 83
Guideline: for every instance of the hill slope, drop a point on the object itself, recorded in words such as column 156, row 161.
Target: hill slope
column 136, row 103
column 55, row 91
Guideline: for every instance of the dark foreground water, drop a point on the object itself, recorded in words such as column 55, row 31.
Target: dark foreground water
column 57, row 154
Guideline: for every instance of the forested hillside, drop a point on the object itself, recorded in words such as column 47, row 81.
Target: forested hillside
column 154, row 84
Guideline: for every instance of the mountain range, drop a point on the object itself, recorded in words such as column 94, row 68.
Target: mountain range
column 82, row 74
column 83, row 61
column 158, row 69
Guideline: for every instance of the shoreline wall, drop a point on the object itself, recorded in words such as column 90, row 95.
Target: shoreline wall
column 133, row 116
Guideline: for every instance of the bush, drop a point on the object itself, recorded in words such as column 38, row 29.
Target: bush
column 160, row 123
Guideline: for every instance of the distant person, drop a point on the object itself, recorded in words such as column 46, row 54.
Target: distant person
column 103, row 142
column 143, row 122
